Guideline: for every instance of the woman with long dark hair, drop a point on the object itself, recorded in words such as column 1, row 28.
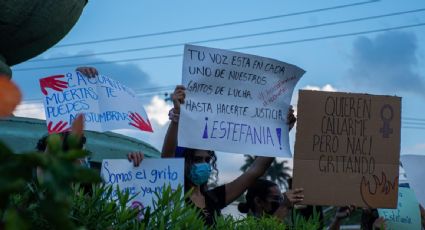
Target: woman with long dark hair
column 264, row 198
column 199, row 165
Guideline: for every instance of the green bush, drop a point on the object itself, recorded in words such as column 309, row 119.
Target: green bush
column 60, row 199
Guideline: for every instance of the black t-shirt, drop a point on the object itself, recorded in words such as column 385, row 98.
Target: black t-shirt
column 215, row 200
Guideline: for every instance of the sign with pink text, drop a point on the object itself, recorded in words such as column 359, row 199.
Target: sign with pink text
column 105, row 103
column 236, row 102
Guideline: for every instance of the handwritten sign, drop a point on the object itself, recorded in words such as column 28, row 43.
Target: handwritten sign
column 151, row 176
column 236, row 102
column 415, row 172
column 406, row 216
column 347, row 149
column 106, row 104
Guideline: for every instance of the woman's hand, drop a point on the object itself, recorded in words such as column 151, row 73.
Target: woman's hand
column 290, row 118
column 380, row 224
column 178, row 97
column 136, row 158
column 344, row 212
column 293, row 197
column 89, row 72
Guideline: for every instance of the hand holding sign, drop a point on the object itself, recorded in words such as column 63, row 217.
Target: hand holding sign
column 53, row 83
column 235, row 102
column 89, row 72
column 98, row 97
column 178, row 97
column 140, row 123
column 294, row 196
column 136, row 158
column 152, row 176
column 290, row 118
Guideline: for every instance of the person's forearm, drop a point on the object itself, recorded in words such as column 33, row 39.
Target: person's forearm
column 335, row 225
column 170, row 140
column 260, row 165
column 281, row 213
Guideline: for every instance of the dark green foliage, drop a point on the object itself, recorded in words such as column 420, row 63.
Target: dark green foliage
column 300, row 223
column 30, row 201
column 68, row 196
column 249, row 223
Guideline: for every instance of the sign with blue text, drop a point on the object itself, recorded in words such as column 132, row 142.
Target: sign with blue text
column 406, row 216
column 413, row 165
column 106, row 104
column 236, row 102
column 151, row 176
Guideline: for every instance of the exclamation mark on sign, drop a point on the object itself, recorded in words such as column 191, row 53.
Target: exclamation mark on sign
column 205, row 136
column 279, row 134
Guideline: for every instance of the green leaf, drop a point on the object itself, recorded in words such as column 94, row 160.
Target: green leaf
column 13, row 221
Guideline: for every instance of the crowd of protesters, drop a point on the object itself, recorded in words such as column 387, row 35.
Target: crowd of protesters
column 262, row 197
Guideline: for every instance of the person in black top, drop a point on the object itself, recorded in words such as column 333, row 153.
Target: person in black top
column 198, row 164
column 264, row 198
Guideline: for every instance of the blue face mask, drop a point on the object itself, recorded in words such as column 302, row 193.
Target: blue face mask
column 200, row 173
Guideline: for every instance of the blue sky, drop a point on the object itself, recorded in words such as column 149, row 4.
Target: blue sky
column 388, row 62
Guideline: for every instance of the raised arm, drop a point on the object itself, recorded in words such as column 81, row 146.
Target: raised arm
column 235, row 188
column 170, row 140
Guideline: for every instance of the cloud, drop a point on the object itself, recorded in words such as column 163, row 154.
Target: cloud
column 32, row 110
column 157, row 110
column 386, row 63
column 327, row 87
column 415, row 149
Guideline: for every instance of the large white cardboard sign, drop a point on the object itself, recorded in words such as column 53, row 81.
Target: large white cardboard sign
column 236, row 102
column 106, row 104
column 151, row 176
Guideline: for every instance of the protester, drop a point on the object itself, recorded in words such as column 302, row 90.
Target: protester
column 198, row 169
column 264, row 198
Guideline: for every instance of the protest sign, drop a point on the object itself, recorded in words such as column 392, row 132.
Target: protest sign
column 236, row 102
column 151, row 176
column 413, row 165
column 106, row 104
column 347, row 149
column 406, row 216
